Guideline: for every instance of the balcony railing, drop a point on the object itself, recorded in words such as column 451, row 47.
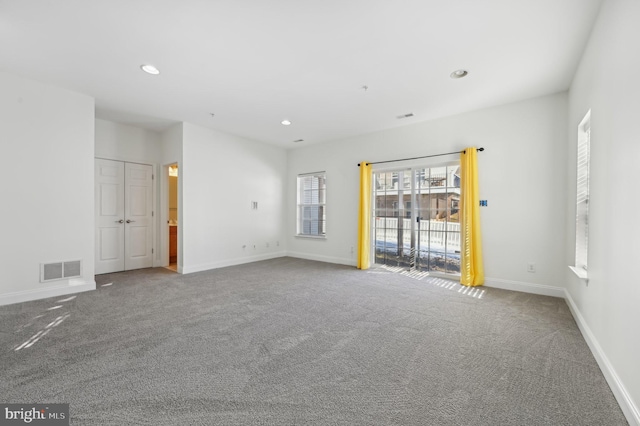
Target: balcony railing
column 432, row 232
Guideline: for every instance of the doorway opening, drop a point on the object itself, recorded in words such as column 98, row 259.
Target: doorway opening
column 172, row 222
column 416, row 219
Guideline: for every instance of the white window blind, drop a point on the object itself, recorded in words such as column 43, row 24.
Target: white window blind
column 582, row 196
column 312, row 193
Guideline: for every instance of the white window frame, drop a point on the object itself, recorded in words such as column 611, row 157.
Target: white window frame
column 314, row 208
column 583, row 159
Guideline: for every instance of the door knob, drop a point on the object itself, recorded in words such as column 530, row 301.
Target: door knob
column 130, row 221
column 120, row 221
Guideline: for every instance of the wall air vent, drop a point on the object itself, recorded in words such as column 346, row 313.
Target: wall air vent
column 60, row 270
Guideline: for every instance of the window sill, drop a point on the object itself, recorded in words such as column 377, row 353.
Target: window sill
column 580, row 273
column 313, row 237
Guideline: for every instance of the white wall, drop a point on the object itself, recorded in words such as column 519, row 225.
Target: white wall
column 220, row 175
column 171, row 142
column 115, row 141
column 47, row 145
column 522, row 175
column 608, row 308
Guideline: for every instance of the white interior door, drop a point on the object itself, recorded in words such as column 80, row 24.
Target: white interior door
column 109, row 208
column 124, row 216
column 138, row 208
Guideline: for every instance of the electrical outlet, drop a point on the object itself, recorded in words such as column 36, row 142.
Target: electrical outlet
column 531, row 267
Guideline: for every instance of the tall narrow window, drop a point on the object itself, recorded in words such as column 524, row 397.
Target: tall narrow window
column 582, row 197
column 311, row 204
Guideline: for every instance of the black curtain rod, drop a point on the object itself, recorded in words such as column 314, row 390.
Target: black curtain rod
column 416, row 158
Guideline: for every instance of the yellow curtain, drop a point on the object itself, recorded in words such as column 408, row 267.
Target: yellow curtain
column 364, row 217
column 471, row 268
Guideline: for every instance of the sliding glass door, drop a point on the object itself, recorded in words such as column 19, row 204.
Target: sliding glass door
column 416, row 219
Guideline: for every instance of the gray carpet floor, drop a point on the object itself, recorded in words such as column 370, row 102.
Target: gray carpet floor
column 296, row 342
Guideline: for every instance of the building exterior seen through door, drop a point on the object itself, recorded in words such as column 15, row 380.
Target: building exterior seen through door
column 124, row 216
column 416, row 220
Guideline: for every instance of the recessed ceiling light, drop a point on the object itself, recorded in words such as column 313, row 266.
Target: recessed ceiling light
column 150, row 69
column 459, row 74
column 285, row 122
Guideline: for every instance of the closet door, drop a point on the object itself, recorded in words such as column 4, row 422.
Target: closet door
column 124, row 216
column 138, row 212
column 109, row 211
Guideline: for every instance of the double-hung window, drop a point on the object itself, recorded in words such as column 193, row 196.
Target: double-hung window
column 312, row 194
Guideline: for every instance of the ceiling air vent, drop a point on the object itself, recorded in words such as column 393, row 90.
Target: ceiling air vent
column 400, row 117
column 60, row 270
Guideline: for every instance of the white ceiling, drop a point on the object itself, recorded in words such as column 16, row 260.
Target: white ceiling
column 254, row 63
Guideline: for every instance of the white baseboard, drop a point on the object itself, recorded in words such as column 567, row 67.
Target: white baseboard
column 541, row 289
column 229, row 262
column 627, row 405
column 69, row 287
column 320, row 258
